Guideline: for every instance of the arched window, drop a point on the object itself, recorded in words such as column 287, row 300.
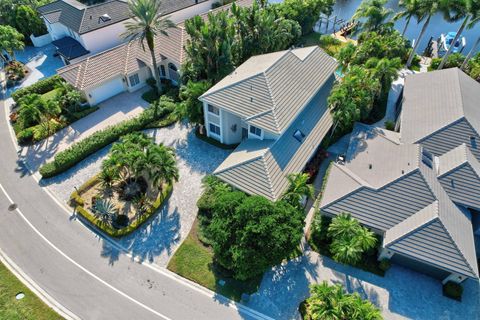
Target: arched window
column 173, row 72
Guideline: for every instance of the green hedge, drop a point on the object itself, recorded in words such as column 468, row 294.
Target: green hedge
column 40, row 87
column 75, row 197
column 79, row 151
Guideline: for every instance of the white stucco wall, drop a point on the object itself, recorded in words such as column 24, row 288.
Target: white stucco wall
column 57, row 30
column 143, row 74
column 41, row 41
column 192, row 11
column 103, row 88
column 104, row 38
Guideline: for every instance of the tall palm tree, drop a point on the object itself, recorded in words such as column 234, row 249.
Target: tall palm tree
column 473, row 21
column 298, row 187
column 426, row 10
column 459, row 9
column 161, row 165
column 148, row 22
column 374, row 12
column 410, row 9
column 386, row 71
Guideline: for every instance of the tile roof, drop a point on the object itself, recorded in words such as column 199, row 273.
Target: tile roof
column 82, row 18
column 435, row 100
column 259, row 92
column 261, row 167
column 128, row 57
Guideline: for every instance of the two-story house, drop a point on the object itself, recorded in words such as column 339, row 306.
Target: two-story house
column 77, row 29
column 275, row 106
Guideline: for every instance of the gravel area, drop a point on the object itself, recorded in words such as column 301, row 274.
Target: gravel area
column 157, row 240
column 401, row 294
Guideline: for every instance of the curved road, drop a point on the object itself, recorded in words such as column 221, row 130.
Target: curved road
column 84, row 273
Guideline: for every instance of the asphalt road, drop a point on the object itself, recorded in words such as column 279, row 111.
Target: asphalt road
column 83, row 272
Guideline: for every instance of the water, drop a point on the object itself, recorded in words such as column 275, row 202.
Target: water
column 344, row 9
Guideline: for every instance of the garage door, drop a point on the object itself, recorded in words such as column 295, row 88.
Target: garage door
column 107, row 90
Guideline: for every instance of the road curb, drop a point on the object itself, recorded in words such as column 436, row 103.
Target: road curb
column 36, row 289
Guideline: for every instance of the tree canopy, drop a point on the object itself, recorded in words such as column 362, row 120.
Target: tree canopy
column 10, row 40
column 22, row 15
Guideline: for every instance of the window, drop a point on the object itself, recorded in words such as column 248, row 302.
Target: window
column 134, row 80
column 163, row 73
column 213, row 110
column 473, row 142
column 214, row 129
column 255, row 131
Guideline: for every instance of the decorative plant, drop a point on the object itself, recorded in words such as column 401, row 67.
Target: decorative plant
column 104, row 210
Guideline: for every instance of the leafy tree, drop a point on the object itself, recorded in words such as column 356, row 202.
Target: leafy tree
column 333, row 303
column 209, row 49
column 30, row 110
column 148, row 22
column 350, row 239
column 250, row 234
column 408, row 10
column 305, row 12
column 190, row 107
column 28, row 22
column 10, row 40
column 374, row 13
column 51, row 110
column 388, row 44
column 352, row 98
column 346, row 55
column 298, row 188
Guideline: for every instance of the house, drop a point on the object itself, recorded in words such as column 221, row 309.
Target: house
column 77, row 29
column 127, row 66
column 275, row 106
column 418, row 188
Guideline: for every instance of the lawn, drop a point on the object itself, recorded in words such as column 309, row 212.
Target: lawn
column 50, row 95
column 194, row 261
column 313, row 39
column 30, row 307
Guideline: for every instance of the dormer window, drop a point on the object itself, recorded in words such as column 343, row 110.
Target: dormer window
column 255, row 131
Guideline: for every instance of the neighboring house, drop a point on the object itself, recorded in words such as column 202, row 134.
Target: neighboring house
column 275, row 106
column 126, row 67
column 77, row 29
column 419, row 189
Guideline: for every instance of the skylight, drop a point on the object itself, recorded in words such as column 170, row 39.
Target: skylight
column 105, row 18
column 299, row 135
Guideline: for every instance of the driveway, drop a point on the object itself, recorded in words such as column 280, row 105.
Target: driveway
column 401, row 294
column 157, row 239
column 114, row 110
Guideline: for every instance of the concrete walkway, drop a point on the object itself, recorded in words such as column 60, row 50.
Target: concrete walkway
column 401, row 294
column 117, row 109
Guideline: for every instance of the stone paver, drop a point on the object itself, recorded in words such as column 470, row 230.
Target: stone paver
column 112, row 111
column 157, row 240
column 401, row 294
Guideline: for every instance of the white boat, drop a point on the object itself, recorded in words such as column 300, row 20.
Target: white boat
column 447, row 39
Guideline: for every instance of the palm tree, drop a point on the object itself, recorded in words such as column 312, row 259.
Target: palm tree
column 298, row 187
column 346, row 251
column 386, row 71
column 148, row 22
column 104, row 210
column 343, row 226
column 473, row 21
column 51, row 109
column 365, row 239
column 427, row 8
column 411, row 9
column 374, row 12
column 459, row 9
column 30, row 111
column 161, row 166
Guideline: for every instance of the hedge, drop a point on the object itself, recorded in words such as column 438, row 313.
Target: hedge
column 79, row 151
column 40, row 87
column 89, row 217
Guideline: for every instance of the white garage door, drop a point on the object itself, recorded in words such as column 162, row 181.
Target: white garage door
column 107, row 90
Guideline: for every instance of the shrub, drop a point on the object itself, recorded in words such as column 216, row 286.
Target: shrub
column 390, row 125
column 43, row 131
column 150, row 96
column 453, row 290
column 385, row 264
column 67, row 158
column 25, row 136
column 40, row 87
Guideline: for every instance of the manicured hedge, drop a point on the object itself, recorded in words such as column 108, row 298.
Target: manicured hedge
column 67, row 158
column 40, row 87
column 87, row 215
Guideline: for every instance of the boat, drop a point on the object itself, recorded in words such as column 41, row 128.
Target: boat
column 447, row 39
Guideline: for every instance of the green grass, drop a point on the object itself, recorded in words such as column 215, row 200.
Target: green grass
column 50, row 95
column 29, row 308
column 313, row 39
column 194, row 261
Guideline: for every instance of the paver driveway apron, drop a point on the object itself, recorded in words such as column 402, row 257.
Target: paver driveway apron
column 112, row 111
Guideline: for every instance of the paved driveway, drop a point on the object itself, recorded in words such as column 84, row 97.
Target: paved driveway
column 401, row 294
column 112, row 111
column 156, row 240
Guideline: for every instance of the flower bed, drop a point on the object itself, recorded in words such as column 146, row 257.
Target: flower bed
column 81, row 204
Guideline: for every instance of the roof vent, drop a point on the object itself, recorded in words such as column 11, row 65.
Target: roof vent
column 104, row 18
column 370, row 166
column 473, row 142
column 299, row 135
column 251, row 99
column 90, row 17
column 403, row 171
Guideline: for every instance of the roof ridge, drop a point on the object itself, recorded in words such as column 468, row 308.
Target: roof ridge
column 274, row 104
column 81, row 20
column 239, row 164
column 267, row 172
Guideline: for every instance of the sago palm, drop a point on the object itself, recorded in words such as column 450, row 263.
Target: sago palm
column 346, row 250
column 148, row 22
column 343, row 226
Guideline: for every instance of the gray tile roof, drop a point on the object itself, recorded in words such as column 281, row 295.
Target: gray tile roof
column 261, row 167
column 269, row 90
column 129, row 57
column 435, row 100
column 401, row 195
column 83, row 19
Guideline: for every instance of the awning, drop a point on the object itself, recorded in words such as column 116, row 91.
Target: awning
column 69, row 48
